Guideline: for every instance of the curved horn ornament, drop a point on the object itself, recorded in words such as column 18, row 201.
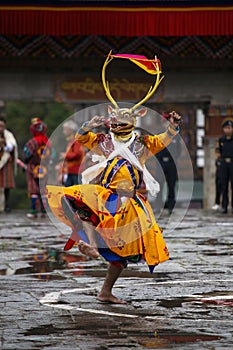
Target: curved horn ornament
column 153, row 68
column 105, row 83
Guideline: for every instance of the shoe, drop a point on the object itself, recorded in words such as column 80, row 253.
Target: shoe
column 224, row 211
column 31, row 216
column 215, row 207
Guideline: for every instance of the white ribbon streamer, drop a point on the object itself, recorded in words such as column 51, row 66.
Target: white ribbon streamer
column 121, row 149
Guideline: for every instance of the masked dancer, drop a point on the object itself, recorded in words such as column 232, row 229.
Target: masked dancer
column 109, row 213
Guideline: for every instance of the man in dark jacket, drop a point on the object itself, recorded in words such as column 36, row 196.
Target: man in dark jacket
column 225, row 149
column 167, row 172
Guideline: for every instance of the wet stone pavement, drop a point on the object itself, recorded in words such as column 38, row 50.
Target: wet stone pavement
column 48, row 297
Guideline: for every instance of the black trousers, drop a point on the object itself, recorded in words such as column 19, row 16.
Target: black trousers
column 7, row 198
column 218, row 189
column 167, row 172
column 226, row 177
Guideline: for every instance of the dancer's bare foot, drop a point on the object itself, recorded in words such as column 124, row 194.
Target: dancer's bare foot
column 88, row 250
column 110, row 299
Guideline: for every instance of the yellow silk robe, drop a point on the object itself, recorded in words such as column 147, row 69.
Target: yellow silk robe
column 132, row 229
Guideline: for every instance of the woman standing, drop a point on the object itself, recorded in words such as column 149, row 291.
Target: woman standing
column 8, row 165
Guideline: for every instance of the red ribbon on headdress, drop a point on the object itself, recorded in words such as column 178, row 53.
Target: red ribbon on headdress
column 150, row 66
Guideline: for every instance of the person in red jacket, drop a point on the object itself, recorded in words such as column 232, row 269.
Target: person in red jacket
column 37, row 154
column 73, row 156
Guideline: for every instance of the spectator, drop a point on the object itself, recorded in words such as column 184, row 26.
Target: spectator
column 225, row 149
column 37, row 149
column 73, row 156
column 167, row 173
column 8, row 165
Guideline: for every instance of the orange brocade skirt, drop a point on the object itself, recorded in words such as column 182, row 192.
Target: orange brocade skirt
column 128, row 231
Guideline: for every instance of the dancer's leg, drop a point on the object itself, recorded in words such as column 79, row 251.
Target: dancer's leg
column 85, row 248
column 91, row 248
column 105, row 295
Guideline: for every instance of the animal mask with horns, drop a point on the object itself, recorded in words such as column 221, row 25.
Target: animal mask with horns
column 123, row 120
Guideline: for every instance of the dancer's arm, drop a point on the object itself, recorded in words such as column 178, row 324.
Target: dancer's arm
column 86, row 136
column 157, row 143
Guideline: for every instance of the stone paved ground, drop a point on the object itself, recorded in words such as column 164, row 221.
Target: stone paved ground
column 48, row 298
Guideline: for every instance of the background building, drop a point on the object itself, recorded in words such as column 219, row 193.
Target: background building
column 54, row 51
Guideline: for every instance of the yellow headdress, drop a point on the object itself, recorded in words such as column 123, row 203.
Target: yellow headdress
column 128, row 116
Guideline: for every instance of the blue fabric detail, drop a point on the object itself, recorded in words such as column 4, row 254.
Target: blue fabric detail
column 112, row 203
column 83, row 235
column 151, row 268
column 114, row 170
column 140, row 178
column 108, row 255
column 82, row 132
column 34, row 203
column 27, row 153
column 132, row 174
column 112, row 173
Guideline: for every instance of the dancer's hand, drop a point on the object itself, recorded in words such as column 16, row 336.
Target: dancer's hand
column 95, row 122
column 174, row 119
